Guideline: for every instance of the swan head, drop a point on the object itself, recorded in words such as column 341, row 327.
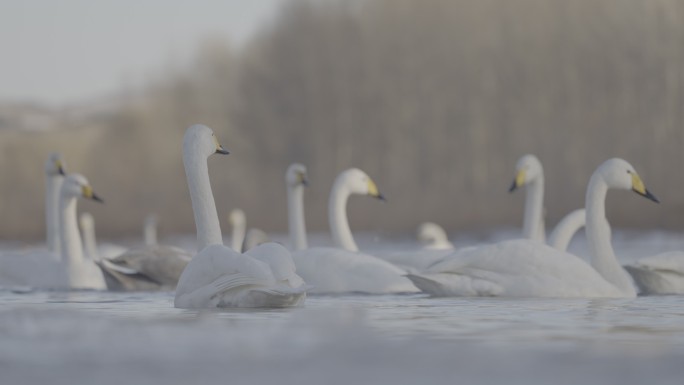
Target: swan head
column 430, row 233
column 527, row 170
column 358, row 182
column 237, row 218
column 202, row 138
column 54, row 165
column 619, row 174
column 296, row 175
column 87, row 221
column 77, row 186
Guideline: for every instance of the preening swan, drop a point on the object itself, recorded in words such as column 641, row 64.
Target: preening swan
column 566, row 229
column 523, row 268
column 530, row 173
column 433, row 237
column 342, row 269
column 238, row 224
column 659, row 274
column 218, row 276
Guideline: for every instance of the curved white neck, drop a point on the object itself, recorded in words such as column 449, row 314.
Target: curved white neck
column 238, row 236
column 90, row 242
column 337, row 215
column 72, row 248
column 599, row 237
column 203, row 205
column 150, row 233
column 533, row 222
column 565, row 229
column 295, row 216
column 53, row 184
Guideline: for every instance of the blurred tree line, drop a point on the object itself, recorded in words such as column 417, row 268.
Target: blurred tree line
column 435, row 99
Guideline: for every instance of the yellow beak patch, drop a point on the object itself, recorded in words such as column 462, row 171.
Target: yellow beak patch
column 372, row 188
column 638, row 184
column 520, row 178
column 87, row 192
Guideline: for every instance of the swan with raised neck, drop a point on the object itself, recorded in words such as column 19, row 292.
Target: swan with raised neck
column 530, row 173
column 351, row 181
column 75, row 186
column 295, row 180
column 199, row 143
column 54, row 177
column 617, row 174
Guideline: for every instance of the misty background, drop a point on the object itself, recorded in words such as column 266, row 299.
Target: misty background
column 435, row 100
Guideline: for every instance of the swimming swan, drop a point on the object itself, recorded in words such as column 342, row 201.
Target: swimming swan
column 523, row 268
column 343, row 269
column 218, row 276
column 530, row 173
column 659, row 274
column 433, row 237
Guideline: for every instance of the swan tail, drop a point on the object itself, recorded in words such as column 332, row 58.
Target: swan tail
column 650, row 281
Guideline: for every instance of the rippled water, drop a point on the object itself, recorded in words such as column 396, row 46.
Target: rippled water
column 115, row 338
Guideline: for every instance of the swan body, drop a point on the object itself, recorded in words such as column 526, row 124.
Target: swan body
column 219, row 276
column 530, row 173
column 343, row 269
column 148, row 268
column 659, row 274
column 566, row 229
column 532, row 269
column 433, row 237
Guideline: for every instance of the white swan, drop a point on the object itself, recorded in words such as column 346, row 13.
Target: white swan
column 218, row 276
column 73, row 271
column 567, row 228
column 343, row 269
column 524, row 268
column 659, row 274
column 530, row 173
column 433, row 237
column 238, row 224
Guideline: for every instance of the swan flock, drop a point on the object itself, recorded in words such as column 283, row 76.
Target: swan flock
column 254, row 272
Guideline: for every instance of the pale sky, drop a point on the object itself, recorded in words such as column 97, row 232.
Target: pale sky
column 66, row 51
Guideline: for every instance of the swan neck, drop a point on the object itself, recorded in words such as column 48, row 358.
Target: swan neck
column 238, row 236
column 533, row 222
column 90, row 243
column 53, row 185
column 598, row 233
column 203, row 205
column 337, row 215
column 150, row 234
column 562, row 235
column 295, row 217
column 71, row 245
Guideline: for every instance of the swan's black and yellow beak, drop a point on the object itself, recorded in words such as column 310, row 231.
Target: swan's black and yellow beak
column 302, row 179
column 518, row 181
column 221, row 150
column 373, row 191
column 88, row 193
column 639, row 188
column 60, row 168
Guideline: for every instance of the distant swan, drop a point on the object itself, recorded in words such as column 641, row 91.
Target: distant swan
column 343, row 269
column 659, row 274
column 523, row 268
column 254, row 238
column 433, row 237
column 530, row 173
column 218, row 276
column 93, row 250
column 54, row 172
column 73, row 271
column 238, row 224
